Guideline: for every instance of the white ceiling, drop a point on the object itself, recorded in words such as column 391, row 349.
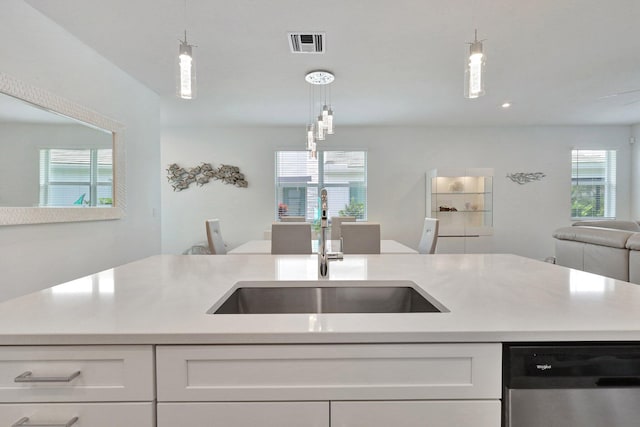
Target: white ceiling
column 397, row 62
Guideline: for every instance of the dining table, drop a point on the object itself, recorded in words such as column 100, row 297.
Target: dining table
column 264, row 247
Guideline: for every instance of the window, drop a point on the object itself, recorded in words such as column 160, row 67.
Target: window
column 299, row 179
column 76, row 177
column 593, row 184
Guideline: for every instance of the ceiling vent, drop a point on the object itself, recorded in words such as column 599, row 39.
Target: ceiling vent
column 306, row 42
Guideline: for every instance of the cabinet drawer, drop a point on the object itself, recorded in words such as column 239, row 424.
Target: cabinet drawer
column 244, row 414
column 88, row 414
column 328, row 372
column 107, row 373
column 443, row 413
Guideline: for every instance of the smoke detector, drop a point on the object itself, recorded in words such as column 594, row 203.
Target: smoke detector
column 306, row 42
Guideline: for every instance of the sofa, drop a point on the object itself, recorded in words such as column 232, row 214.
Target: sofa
column 607, row 247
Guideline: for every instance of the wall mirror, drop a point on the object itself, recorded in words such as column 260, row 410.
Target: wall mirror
column 59, row 161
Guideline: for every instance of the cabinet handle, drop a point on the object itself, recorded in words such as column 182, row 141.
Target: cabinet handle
column 22, row 422
column 26, row 377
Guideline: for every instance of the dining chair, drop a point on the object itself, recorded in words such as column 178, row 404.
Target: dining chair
column 288, row 218
column 291, row 238
column 429, row 238
column 214, row 237
column 336, row 222
column 360, row 237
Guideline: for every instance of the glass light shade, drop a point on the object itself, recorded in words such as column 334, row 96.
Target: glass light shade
column 325, row 115
column 310, row 136
column 329, row 122
column 320, row 129
column 474, row 72
column 186, row 72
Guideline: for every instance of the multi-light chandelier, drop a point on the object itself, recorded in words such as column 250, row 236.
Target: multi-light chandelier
column 474, row 70
column 319, row 125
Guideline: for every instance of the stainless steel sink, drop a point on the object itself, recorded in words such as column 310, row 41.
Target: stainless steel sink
column 366, row 296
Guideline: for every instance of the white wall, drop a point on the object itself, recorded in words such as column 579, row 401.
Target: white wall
column 41, row 53
column 635, row 172
column 524, row 218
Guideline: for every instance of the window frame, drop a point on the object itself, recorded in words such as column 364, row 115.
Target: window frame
column 92, row 184
column 607, row 188
column 311, row 214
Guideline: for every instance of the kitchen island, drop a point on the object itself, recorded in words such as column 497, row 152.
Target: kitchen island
column 142, row 338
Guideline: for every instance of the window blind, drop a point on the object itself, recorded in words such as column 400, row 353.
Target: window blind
column 593, row 184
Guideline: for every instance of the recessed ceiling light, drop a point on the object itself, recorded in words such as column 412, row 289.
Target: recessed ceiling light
column 506, row 105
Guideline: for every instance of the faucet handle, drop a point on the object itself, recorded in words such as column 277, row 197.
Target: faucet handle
column 338, row 256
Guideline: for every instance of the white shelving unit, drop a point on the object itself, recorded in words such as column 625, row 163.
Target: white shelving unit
column 462, row 199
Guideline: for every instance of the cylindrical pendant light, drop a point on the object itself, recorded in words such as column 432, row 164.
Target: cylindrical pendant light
column 186, row 88
column 320, row 129
column 474, row 71
column 329, row 122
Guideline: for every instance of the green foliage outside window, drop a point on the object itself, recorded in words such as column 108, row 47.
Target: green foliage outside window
column 586, row 201
column 354, row 208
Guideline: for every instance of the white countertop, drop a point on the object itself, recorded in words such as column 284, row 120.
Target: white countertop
column 264, row 247
column 163, row 300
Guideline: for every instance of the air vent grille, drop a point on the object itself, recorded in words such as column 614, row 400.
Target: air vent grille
column 306, row 42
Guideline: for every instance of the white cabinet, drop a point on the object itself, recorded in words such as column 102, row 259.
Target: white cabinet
column 328, row 372
column 99, row 385
column 464, row 244
column 244, row 414
column 462, row 199
column 88, row 414
column 325, row 384
column 442, row 413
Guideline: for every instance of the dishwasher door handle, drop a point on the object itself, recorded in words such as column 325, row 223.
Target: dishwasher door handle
column 618, row 382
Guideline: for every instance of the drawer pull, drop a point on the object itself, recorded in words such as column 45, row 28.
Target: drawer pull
column 23, row 422
column 26, row 377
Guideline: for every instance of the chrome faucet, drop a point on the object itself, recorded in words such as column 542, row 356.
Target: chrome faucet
column 323, row 256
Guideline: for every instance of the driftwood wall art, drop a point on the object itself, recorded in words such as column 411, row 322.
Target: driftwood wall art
column 181, row 178
column 525, row 177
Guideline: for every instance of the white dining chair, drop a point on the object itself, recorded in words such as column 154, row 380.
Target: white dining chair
column 336, row 223
column 214, row 237
column 429, row 238
column 290, row 238
column 288, row 218
column 360, row 237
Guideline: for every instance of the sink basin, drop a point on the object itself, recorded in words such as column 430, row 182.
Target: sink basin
column 366, row 296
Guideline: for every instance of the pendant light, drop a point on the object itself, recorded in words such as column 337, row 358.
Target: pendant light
column 474, row 71
column 186, row 79
column 321, row 125
column 186, row 70
column 329, row 122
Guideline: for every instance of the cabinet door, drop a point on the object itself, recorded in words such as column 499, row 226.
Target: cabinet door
column 88, row 414
column 442, row 413
column 317, row 372
column 464, row 245
column 244, row 414
column 76, row 373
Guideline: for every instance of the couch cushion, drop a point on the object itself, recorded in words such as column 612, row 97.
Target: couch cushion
column 594, row 235
column 570, row 254
column 607, row 261
column 610, row 223
column 634, row 267
column 633, row 242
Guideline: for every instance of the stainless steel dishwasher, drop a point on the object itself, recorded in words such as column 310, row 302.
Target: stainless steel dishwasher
column 586, row 385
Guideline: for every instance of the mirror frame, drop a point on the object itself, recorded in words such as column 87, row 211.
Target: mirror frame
column 56, row 104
